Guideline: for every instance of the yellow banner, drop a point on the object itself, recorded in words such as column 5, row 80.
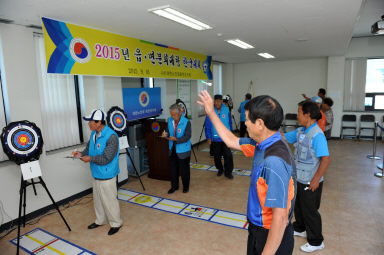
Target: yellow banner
column 73, row 49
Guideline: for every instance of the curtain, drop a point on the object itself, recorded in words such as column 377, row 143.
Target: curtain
column 58, row 104
column 354, row 84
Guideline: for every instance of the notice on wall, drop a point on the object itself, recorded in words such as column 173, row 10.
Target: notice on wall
column 184, row 94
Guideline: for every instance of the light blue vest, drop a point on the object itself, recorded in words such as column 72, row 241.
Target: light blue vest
column 224, row 117
column 111, row 169
column 180, row 147
column 307, row 163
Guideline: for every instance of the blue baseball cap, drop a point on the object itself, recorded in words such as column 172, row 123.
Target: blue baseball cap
column 317, row 99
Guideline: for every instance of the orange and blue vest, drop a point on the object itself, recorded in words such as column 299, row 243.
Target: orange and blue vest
column 273, row 179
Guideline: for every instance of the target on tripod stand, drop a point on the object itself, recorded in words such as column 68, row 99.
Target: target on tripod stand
column 117, row 120
column 184, row 110
column 22, row 141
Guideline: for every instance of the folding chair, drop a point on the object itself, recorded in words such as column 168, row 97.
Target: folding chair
column 367, row 122
column 290, row 121
column 348, row 122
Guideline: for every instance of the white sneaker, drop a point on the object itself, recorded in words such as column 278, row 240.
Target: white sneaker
column 301, row 234
column 309, row 248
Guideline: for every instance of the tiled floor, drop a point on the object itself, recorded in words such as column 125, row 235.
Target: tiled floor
column 352, row 211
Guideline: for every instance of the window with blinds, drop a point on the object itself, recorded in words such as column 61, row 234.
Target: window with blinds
column 58, row 104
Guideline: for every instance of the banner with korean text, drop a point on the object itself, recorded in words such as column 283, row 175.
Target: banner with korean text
column 73, row 49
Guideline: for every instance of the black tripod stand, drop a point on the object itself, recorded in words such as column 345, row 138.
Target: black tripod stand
column 134, row 167
column 201, row 134
column 234, row 120
column 23, row 201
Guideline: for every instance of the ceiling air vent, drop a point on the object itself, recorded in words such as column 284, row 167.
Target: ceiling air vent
column 35, row 27
column 6, row 21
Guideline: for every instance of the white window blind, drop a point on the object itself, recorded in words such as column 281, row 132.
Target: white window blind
column 217, row 78
column 58, row 104
column 354, row 84
column 201, row 85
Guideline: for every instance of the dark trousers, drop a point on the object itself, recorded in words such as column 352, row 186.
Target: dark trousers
column 257, row 237
column 243, row 129
column 328, row 134
column 307, row 215
column 220, row 149
column 179, row 167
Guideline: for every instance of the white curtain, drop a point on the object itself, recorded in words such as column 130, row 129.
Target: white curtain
column 201, row 85
column 217, row 78
column 354, row 84
column 58, row 104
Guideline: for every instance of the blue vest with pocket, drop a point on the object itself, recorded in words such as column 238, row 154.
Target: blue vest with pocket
column 307, row 163
column 97, row 148
column 224, row 117
column 180, row 147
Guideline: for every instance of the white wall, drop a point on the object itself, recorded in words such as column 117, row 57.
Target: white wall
column 283, row 80
column 64, row 177
column 371, row 47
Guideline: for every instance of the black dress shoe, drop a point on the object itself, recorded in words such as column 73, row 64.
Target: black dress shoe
column 93, row 225
column 185, row 190
column 229, row 176
column 220, row 173
column 172, row 190
column 113, row 231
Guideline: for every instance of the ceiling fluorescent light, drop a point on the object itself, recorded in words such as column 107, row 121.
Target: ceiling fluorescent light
column 266, row 55
column 240, row 43
column 179, row 17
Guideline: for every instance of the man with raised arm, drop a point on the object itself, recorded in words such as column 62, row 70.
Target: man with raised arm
column 273, row 182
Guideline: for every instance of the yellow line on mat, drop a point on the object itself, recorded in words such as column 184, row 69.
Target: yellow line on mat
column 124, row 194
column 230, row 218
column 49, row 247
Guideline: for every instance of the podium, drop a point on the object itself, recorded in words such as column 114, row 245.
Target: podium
column 157, row 150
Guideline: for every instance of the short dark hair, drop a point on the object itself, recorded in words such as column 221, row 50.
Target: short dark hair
column 102, row 122
column 328, row 101
column 248, row 96
column 266, row 108
column 322, row 91
column 309, row 106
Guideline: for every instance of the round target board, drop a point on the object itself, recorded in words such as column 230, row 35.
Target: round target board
column 117, row 120
column 22, row 141
column 184, row 110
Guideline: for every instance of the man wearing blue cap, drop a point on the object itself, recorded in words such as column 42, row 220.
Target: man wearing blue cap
column 219, row 148
column 102, row 152
column 321, row 122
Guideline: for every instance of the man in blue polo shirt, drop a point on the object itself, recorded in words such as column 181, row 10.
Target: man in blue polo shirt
column 312, row 160
column 241, row 110
column 271, row 196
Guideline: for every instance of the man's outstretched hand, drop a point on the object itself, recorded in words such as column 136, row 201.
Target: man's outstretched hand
column 206, row 101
